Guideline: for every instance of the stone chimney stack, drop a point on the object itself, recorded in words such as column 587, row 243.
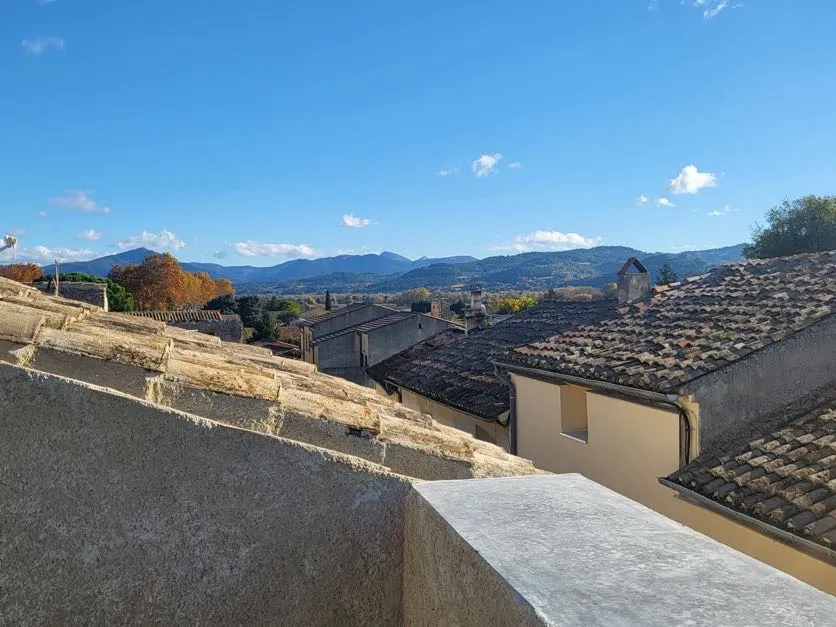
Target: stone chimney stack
column 633, row 286
column 476, row 315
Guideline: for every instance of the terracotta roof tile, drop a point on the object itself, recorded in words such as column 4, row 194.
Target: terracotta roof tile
column 457, row 370
column 236, row 383
column 701, row 326
column 791, row 491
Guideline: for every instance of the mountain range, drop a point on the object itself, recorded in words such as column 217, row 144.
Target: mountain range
column 390, row 272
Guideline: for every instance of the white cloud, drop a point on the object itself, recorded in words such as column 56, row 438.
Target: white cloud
column 720, row 212
column 356, row 222
column 220, row 254
column 690, row 181
column 448, row 172
column 49, row 255
column 486, row 164
column 43, row 214
column 164, row 240
column 642, row 199
column 664, row 202
column 41, row 44
column 252, row 248
column 44, row 3
column 516, row 165
column 80, row 200
column 546, row 241
column 91, row 235
column 714, row 10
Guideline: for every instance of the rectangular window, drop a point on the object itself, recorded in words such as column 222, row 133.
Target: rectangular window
column 573, row 416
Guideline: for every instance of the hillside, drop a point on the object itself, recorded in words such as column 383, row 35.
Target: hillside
column 541, row 271
column 384, row 264
column 389, row 272
column 527, row 271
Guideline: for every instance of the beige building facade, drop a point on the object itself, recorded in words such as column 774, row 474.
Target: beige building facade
column 627, row 446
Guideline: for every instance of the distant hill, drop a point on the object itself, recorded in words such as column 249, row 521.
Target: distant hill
column 541, row 271
column 102, row 265
column 384, row 264
column 390, row 272
column 528, row 271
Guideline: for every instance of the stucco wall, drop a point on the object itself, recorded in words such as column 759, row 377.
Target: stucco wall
column 457, row 419
column 115, row 510
column 342, row 351
column 393, row 338
column 775, row 381
column 629, row 447
column 349, row 318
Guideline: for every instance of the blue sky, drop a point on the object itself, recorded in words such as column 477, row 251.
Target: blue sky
column 260, row 130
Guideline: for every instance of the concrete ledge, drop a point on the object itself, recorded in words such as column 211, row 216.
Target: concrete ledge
column 117, row 511
column 563, row 550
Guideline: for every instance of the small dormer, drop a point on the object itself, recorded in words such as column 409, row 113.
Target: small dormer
column 633, row 282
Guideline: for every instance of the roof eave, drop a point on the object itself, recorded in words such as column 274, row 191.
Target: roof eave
column 558, row 377
column 786, row 537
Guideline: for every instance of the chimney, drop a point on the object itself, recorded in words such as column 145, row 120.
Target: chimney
column 476, row 316
column 633, row 286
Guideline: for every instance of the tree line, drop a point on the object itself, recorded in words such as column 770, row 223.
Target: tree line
column 159, row 283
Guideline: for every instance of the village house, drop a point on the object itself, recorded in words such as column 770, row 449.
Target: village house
column 227, row 327
column 346, row 342
column 692, row 368
column 82, row 291
column 451, row 376
column 156, row 475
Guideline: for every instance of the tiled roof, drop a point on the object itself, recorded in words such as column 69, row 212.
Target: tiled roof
column 313, row 320
column 786, row 478
column 235, row 384
column 460, row 374
column 364, row 327
column 190, row 315
column 691, row 328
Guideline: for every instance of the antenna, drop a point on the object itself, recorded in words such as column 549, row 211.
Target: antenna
column 9, row 241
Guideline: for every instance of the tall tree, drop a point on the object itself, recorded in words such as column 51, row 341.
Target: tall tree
column 666, row 275
column 160, row 283
column 327, row 300
column 805, row 225
column 22, row 272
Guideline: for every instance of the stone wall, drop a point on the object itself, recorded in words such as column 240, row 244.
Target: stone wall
column 760, row 392
column 115, row 510
column 229, row 329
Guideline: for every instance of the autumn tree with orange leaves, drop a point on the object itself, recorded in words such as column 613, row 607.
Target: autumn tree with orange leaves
column 22, row 272
column 159, row 283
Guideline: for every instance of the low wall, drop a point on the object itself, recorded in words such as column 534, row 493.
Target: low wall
column 563, row 550
column 114, row 510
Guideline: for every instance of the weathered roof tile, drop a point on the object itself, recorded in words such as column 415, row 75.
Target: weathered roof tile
column 794, row 496
column 725, row 315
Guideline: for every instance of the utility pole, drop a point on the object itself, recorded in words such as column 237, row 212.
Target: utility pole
column 56, row 277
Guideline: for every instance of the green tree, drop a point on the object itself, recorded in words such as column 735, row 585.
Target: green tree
column 805, row 225
column 421, row 306
column 666, row 275
column 227, row 304
column 290, row 310
column 327, row 300
column 250, row 309
column 265, row 327
column 118, row 298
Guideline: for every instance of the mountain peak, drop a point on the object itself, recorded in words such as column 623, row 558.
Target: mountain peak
column 393, row 256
